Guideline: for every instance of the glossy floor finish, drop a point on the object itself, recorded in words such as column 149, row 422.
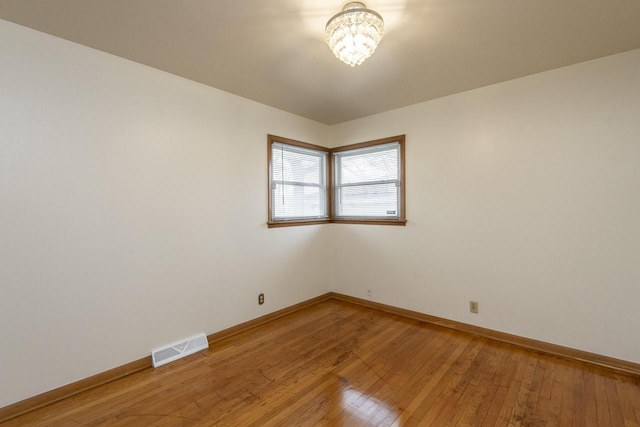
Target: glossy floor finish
column 338, row 364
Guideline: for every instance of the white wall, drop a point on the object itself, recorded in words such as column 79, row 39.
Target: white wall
column 132, row 212
column 524, row 196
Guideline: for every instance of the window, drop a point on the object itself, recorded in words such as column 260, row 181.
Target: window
column 297, row 182
column 368, row 183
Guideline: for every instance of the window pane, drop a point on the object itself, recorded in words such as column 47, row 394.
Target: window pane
column 377, row 200
column 368, row 165
column 298, row 201
column 297, row 165
column 367, row 182
column 298, row 182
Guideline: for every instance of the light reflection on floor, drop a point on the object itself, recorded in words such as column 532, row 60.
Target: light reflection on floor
column 366, row 408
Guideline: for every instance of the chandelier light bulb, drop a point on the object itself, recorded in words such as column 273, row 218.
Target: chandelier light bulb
column 353, row 34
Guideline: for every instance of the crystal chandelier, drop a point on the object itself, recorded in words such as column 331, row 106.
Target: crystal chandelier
column 354, row 33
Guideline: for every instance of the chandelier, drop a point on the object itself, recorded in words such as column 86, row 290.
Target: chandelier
column 354, row 33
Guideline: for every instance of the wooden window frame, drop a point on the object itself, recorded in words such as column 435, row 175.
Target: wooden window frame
column 401, row 220
column 272, row 139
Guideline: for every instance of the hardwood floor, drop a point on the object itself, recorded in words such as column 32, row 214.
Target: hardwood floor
column 339, row 364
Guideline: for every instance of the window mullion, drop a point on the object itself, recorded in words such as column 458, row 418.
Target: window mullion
column 363, row 183
column 298, row 183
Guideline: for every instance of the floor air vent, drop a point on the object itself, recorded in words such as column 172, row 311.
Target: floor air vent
column 179, row 349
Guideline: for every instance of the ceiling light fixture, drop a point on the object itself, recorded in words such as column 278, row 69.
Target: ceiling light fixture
column 354, row 33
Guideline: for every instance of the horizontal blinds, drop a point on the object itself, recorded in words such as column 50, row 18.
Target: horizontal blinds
column 368, row 182
column 367, row 165
column 298, row 179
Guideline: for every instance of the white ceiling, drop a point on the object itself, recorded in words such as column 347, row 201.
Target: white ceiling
column 273, row 51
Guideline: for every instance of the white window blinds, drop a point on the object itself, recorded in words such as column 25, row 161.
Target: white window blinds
column 367, row 182
column 298, row 182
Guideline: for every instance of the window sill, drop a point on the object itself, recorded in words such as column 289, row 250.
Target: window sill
column 277, row 224
column 401, row 222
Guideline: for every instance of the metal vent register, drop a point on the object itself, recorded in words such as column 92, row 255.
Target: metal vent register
column 179, row 349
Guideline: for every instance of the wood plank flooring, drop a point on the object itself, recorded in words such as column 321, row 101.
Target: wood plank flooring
column 339, row 364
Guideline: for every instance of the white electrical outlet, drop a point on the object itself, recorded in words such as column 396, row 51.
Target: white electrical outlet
column 473, row 306
column 369, row 293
